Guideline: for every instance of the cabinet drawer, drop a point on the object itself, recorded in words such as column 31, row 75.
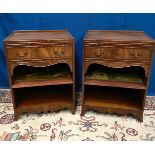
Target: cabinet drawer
column 39, row 53
column 113, row 53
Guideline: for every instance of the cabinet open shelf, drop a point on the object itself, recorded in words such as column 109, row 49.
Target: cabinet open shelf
column 128, row 77
column 115, row 98
column 53, row 97
column 115, row 84
column 28, row 76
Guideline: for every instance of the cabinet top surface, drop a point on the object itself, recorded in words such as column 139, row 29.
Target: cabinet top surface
column 41, row 35
column 117, row 36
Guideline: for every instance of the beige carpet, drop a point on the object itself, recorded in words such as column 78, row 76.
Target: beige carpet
column 64, row 126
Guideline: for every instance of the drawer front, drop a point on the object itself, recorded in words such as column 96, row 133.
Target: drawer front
column 39, row 53
column 113, row 53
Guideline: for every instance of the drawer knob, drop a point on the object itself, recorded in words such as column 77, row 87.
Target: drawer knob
column 58, row 53
column 99, row 53
column 22, row 54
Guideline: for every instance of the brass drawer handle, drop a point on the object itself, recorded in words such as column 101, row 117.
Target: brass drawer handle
column 22, row 54
column 136, row 54
column 58, row 53
column 99, row 53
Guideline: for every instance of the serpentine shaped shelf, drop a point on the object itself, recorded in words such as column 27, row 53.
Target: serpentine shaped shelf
column 115, row 78
column 41, row 77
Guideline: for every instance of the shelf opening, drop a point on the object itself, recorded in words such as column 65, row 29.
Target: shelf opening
column 112, row 97
column 130, row 77
column 29, row 76
column 40, row 97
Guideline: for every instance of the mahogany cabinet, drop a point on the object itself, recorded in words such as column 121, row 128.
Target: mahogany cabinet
column 116, row 71
column 41, row 67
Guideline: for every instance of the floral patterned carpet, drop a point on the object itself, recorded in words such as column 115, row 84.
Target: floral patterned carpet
column 64, row 126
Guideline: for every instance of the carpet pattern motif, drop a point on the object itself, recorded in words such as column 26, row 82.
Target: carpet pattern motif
column 64, row 126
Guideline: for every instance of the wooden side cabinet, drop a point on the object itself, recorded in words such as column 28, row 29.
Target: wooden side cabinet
column 116, row 71
column 41, row 67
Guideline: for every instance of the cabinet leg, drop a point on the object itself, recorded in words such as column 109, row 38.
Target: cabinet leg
column 15, row 118
column 16, row 115
column 83, row 111
column 140, row 117
column 73, row 110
